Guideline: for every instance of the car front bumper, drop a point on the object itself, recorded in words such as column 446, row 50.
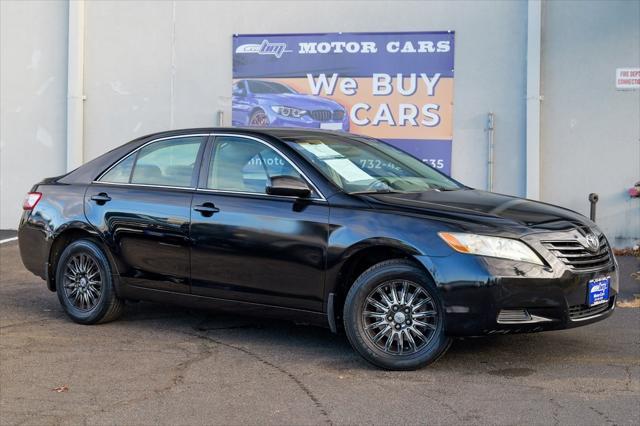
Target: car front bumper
column 484, row 296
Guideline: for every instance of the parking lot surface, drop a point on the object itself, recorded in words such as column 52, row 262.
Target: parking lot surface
column 166, row 365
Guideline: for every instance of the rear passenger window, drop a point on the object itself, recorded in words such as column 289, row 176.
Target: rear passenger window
column 169, row 163
column 121, row 172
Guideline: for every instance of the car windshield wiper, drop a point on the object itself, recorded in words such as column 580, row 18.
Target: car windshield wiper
column 443, row 189
column 376, row 191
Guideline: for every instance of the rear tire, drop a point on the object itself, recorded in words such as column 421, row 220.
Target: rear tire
column 84, row 283
column 394, row 317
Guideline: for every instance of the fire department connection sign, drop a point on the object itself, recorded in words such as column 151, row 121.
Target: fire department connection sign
column 392, row 86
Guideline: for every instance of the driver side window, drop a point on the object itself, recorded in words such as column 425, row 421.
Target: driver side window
column 245, row 165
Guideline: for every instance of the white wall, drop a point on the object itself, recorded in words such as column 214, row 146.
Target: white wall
column 152, row 66
column 33, row 84
column 591, row 131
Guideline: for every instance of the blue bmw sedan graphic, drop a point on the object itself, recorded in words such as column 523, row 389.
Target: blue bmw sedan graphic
column 262, row 103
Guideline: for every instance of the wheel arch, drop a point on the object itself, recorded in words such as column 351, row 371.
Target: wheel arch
column 255, row 109
column 358, row 259
column 64, row 237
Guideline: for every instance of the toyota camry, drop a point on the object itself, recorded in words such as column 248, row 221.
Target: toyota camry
column 318, row 227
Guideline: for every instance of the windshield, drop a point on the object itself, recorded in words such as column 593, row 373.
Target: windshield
column 363, row 165
column 262, row 87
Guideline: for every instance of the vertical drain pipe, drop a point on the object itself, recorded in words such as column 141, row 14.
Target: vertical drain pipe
column 491, row 160
column 593, row 199
column 75, row 85
column 533, row 98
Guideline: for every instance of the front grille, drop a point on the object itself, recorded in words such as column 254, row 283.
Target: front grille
column 338, row 115
column 321, row 115
column 584, row 311
column 575, row 255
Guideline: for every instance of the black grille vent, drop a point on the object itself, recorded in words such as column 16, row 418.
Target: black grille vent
column 321, row 114
column 575, row 255
column 584, row 311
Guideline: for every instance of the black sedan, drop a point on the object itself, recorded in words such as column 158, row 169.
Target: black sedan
column 320, row 227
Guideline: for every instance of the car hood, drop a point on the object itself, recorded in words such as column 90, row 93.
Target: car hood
column 297, row 100
column 470, row 208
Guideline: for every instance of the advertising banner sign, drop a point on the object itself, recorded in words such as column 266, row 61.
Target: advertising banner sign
column 392, row 86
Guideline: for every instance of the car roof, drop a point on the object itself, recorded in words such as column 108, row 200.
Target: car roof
column 276, row 132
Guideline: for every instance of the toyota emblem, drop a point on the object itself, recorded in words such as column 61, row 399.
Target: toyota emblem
column 592, row 242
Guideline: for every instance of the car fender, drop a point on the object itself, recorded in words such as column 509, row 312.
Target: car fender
column 337, row 260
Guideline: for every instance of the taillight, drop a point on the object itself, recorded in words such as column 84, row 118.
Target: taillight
column 31, row 200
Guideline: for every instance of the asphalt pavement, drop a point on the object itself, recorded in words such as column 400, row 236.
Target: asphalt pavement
column 166, row 365
column 7, row 234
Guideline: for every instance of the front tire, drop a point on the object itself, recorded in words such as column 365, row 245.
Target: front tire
column 394, row 317
column 259, row 118
column 84, row 284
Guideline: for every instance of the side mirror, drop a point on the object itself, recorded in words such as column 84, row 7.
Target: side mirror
column 288, row 186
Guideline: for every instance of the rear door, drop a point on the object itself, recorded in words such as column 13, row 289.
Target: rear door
column 251, row 246
column 142, row 206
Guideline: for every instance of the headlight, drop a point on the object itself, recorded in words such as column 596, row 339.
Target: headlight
column 483, row 245
column 288, row 111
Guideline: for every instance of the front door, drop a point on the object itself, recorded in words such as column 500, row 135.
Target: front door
column 142, row 207
column 251, row 246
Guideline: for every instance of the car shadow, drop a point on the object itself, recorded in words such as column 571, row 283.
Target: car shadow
column 490, row 353
column 319, row 346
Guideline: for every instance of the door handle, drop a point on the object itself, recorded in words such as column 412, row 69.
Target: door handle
column 101, row 198
column 206, row 209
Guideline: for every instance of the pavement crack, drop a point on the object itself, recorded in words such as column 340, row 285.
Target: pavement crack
column 557, row 407
column 314, row 399
column 629, row 378
column 603, row 415
column 176, row 379
column 182, row 367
